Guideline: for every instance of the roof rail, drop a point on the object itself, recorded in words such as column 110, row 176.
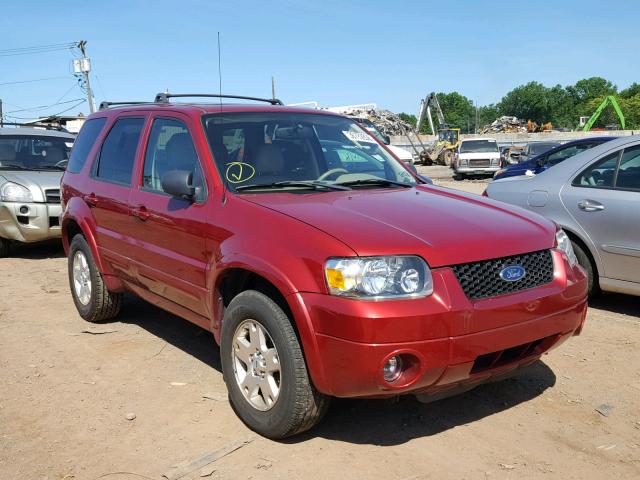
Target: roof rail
column 105, row 105
column 164, row 97
column 46, row 126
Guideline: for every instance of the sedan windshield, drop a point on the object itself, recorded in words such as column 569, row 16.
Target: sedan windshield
column 270, row 151
column 32, row 152
column 478, row 146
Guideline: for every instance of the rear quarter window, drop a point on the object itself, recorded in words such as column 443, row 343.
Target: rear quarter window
column 83, row 143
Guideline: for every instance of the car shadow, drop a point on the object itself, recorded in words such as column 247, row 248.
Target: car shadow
column 180, row 333
column 397, row 421
column 617, row 303
column 37, row 251
column 375, row 422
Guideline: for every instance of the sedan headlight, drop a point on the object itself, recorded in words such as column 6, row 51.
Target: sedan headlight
column 14, row 192
column 563, row 243
column 379, row 277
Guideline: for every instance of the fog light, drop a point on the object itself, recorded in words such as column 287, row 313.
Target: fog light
column 392, row 369
column 24, row 209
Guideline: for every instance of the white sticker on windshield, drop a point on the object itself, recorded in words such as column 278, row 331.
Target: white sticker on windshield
column 360, row 137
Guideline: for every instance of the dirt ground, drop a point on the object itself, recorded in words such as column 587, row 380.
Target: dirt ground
column 65, row 396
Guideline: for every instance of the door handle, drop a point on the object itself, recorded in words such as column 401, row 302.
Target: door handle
column 91, row 199
column 141, row 213
column 590, row 205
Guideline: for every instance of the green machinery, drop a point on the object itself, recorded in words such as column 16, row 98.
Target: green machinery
column 609, row 99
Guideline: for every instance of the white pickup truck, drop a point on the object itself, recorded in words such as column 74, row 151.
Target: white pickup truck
column 477, row 156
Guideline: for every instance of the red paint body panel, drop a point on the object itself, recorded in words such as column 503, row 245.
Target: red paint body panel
column 177, row 256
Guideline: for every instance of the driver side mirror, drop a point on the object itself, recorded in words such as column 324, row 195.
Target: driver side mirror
column 386, row 139
column 179, row 183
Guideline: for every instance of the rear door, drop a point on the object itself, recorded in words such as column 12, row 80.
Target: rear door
column 108, row 191
column 605, row 200
column 169, row 239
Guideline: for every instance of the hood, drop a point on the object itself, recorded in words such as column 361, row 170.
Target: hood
column 442, row 226
column 479, row 155
column 401, row 153
column 36, row 181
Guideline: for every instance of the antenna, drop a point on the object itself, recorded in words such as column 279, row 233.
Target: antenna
column 219, row 70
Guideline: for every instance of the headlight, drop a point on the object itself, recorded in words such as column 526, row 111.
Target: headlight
column 564, row 243
column 379, row 277
column 13, row 192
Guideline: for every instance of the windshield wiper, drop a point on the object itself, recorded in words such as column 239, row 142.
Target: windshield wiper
column 376, row 181
column 50, row 167
column 10, row 166
column 293, row 183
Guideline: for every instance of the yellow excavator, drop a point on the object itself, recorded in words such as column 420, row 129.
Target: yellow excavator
column 443, row 149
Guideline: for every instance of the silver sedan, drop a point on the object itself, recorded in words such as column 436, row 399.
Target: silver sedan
column 595, row 198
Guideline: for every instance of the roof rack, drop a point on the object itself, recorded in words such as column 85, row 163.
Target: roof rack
column 164, row 97
column 105, row 105
column 46, row 126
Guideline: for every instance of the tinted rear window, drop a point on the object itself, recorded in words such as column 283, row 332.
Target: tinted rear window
column 119, row 151
column 85, row 140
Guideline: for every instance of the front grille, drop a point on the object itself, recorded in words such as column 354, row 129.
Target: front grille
column 52, row 196
column 482, row 279
column 480, row 162
column 510, row 355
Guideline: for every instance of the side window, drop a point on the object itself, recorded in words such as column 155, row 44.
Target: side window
column 118, row 152
column 599, row 175
column 171, row 148
column 628, row 177
column 85, row 140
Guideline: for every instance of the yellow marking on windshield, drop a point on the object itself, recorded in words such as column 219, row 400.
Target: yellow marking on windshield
column 239, row 172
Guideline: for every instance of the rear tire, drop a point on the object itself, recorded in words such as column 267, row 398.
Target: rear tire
column 90, row 295
column 585, row 262
column 292, row 405
column 5, row 247
column 447, row 158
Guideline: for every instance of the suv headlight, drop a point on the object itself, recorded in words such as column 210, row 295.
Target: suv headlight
column 563, row 243
column 379, row 277
column 14, row 192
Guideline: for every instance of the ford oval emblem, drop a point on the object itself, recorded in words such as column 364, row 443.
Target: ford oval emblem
column 512, row 273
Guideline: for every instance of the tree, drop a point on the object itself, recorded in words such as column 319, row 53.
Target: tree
column 487, row 114
column 527, row 102
column 406, row 117
column 587, row 89
column 631, row 91
column 561, row 108
column 458, row 111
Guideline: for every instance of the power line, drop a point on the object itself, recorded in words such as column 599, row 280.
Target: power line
column 43, row 107
column 11, row 52
column 82, row 100
column 32, row 81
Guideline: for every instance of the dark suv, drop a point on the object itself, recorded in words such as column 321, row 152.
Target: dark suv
column 322, row 264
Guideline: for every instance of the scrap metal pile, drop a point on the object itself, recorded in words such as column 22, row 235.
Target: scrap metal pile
column 507, row 124
column 386, row 121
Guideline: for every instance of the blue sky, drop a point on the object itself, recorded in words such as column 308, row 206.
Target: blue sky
column 387, row 52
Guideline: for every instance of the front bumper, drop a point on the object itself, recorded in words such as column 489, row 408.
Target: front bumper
column 36, row 222
column 447, row 339
column 478, row 170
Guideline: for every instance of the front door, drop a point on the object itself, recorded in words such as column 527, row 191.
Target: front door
column 170, row 247
column 605, row 200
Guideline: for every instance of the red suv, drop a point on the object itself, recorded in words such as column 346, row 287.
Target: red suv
column 323, row 265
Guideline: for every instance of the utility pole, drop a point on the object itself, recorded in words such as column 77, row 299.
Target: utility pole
column 1, row 117
column 273, row 87
column 83, row 66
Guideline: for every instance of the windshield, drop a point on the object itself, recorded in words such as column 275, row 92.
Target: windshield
column 479, row 146
column 31, row 152
column 538, row 148
column 265, row 148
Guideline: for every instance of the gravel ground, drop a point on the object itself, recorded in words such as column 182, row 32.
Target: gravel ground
column 147, row 394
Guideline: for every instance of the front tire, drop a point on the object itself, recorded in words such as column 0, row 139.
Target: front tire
column 586, row 263
column 90, row 295
column 5, row 247
column 264, row 369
